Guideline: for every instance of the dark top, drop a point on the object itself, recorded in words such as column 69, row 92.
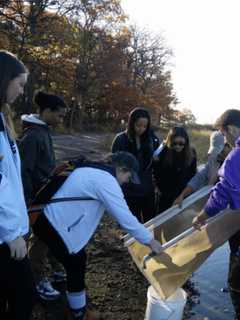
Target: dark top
column 144, row 154
column 171, row 180
column 38, row 158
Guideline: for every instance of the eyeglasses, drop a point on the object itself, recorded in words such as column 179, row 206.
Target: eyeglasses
column 181, row 144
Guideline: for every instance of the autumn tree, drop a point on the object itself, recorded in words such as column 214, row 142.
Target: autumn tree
column 83, row 50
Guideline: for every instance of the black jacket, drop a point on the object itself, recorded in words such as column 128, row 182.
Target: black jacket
column 38, row 158
column 171, row 180
column 144, row 155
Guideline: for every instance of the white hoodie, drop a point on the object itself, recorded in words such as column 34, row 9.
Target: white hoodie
column 76, row 221
column 13, row 211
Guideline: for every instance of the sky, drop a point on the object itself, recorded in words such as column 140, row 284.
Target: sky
column 205, row 38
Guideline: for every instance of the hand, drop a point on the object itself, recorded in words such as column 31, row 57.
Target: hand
column 200, row 220
column 156, row 246
column 178, row 201
column 18, row 248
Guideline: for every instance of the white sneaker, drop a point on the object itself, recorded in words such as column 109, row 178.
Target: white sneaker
column 46, row 291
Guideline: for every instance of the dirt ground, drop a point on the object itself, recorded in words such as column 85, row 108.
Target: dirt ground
column 116, row 288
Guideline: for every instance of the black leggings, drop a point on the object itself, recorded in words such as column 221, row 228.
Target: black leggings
column 74, row 264
column 17, row 289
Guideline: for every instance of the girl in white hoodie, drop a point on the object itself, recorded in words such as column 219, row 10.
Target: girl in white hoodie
column 16, row 281
column 67, row 225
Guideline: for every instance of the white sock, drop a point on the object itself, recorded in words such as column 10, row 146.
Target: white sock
column 76, row 300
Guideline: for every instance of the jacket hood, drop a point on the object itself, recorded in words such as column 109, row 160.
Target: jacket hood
column 32, row 118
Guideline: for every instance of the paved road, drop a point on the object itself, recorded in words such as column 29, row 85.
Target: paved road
column 67, row 146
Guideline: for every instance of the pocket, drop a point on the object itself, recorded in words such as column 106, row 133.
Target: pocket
column 75, row 223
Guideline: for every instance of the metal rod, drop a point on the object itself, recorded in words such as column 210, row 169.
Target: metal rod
column 169, row 244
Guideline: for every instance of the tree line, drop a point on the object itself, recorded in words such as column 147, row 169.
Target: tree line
column 86, row 51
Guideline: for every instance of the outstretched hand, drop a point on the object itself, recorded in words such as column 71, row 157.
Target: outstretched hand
column 178, row 201
column 199, row 221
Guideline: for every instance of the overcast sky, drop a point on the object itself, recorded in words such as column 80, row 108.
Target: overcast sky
column 205, row 38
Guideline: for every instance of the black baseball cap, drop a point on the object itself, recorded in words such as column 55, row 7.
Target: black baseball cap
column 128, row 161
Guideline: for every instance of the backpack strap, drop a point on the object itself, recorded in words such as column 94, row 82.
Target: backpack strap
column 56, row 200
column 39, row 207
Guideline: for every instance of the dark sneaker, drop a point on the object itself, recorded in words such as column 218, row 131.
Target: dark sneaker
column 46, row 291
column 59, row 276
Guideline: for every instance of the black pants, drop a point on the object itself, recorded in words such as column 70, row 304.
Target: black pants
column 17, row 288
column 141, row 200
column 74, row 264
column 143, row 208
column 234, row 272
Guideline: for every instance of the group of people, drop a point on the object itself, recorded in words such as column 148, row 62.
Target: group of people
column 141, row 178
column 65, row 228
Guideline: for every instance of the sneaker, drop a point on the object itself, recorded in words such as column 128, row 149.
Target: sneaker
column 46, row 291
column 59, row 276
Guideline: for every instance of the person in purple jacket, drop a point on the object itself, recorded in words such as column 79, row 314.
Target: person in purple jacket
column 227, row 193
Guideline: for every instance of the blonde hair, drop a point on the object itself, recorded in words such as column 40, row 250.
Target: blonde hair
column 8, row 114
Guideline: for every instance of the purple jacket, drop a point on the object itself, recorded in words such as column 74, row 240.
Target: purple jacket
column 227, row 190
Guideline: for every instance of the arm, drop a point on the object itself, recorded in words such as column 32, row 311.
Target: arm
column 9, row 218
column 200, row 179
column 111, row 196
column 193, row 166
column 28, row 148
column 158, row 150
column 225, row 192
column 156, row 142
column 186, row 192
column 118, row 143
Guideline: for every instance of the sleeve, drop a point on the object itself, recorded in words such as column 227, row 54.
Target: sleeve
column 227, row 190
column 28, row 148
column 193, row 166
column 10, row 226
column 159, row 171
column 118, row 143
column 200, row 179
column 110, row 194
column 156, row 142
column 158, row 150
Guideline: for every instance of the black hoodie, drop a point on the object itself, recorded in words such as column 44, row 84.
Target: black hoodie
column 37, row 155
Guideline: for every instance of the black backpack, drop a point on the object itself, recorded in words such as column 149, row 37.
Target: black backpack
column 54, row 183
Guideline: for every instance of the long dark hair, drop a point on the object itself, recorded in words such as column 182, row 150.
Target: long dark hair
column 134, row 115
column 187, row 152
column 10, row 68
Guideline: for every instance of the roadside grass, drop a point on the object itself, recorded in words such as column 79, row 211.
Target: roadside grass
column 199, row 140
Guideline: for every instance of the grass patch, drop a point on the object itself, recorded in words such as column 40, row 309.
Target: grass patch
column 199, row 139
